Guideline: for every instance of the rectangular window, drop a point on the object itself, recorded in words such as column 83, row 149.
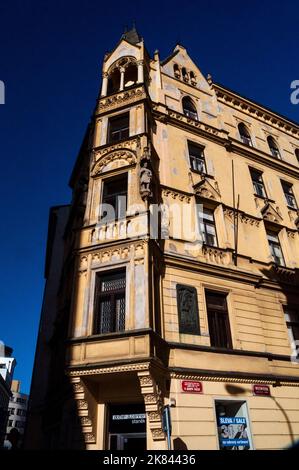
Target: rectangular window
column 10, row 423
column 275, row 248
column 207, row 226
column 110, row 302
column 289, row 195
column 258, row 184
column 197, row 159
column 11, row 411
column 19, row 412
column 115, row 198
column 118, row 128
column 292, row 321
column 187, row 310
column 218, row 320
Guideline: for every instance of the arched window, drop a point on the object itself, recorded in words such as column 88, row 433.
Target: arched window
column 130, row 75
column 297, row 154
column 185, row 75
column 192, row 78
column 114, row 81
column 273, row 147
column 176, row 71
column 244, row 134
column 189, row 108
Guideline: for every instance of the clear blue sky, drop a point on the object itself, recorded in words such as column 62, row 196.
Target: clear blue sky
column 50, row 57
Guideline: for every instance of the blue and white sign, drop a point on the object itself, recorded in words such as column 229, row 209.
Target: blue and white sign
column 233, row 432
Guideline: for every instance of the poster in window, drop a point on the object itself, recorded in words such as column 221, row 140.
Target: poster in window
column 233, row 434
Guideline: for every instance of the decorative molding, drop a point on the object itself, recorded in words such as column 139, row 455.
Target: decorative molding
column 271, row 213
column 107, row 255
column 108, row 370
column 214, row 254
column 243, row 217
column 255, row 111
column 120, row 158
column 87, row 425
column 209, row 378
column 153, row 401
column 176, row 194
column 120, row 99
column 205, row 189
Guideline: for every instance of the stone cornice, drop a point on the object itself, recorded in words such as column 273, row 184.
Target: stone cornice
column 233, row 377
column 181, row 120
column 257, row 155
column 255, row 110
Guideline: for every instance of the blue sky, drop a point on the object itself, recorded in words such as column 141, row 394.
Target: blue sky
column 50, row 58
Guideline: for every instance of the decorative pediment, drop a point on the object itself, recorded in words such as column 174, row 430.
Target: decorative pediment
column 112, row 160
column 270, row 213
column 205, row 189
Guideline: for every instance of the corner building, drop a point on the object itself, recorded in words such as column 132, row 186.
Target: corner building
column 206, row 325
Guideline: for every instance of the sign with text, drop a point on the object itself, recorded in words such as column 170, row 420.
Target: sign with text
column 233, row 433
column 191, row 386
column 261, row 390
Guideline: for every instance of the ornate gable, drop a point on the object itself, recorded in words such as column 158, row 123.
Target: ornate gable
column 270, row 213
column 206, row 190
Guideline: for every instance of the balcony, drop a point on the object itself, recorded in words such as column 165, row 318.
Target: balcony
column 130, row 227
column 122, row 98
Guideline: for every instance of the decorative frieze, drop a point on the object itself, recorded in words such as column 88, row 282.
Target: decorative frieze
column 217, row 255
column 259, row 113
column 175, row 194
column 121, row 99
column 244, row 218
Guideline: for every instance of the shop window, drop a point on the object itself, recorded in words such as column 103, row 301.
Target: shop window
column 233, row 425
column 218, row 320
column 110, row 302
column 127, row 427
column 187, row 310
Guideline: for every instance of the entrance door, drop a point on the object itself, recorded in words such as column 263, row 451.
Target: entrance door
column 134, row 442
column 127, row 427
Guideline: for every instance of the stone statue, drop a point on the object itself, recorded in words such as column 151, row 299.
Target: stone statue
column 145, row 180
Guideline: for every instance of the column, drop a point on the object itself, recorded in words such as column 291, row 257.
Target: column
column 140, row 71
column 104, row 84
column 122, row 78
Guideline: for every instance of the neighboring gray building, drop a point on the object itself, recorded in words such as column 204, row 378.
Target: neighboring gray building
column 17, row 408
column 7, row 365
column 43, row 362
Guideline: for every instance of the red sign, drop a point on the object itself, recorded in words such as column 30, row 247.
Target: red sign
column 191, row 386
column 262, row 390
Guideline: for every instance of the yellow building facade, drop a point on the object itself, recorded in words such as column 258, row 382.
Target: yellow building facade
column 186, row 294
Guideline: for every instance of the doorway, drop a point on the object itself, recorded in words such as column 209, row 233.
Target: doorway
column 127, row 427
